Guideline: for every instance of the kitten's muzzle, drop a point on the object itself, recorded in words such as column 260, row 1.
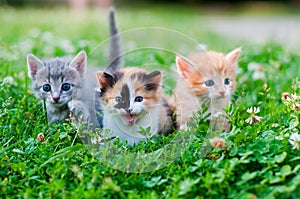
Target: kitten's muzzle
column 130, row 119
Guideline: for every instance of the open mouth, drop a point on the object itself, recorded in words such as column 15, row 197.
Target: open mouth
column 130, row 118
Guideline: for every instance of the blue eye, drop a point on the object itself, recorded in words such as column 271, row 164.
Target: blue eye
column 46, row 87
column 209, row 83
column 66, row 87
column 226, row 81
column 138, row 99
column 118, row 99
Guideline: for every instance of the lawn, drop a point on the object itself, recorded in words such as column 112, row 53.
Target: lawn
column 258, row 160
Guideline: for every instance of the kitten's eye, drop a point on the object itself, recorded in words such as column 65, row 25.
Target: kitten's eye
column 46, row 87
column 66, row 87
column 118, row 99
column 139, row 99
column 226, row 81
column 209, row 83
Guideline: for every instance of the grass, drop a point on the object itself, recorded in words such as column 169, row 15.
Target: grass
column 258, row 161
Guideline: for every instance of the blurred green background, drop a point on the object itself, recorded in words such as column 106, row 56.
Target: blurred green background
column 185, row 2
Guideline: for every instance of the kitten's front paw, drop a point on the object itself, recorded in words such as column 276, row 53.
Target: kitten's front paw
column 220, row 124
column 78, row 111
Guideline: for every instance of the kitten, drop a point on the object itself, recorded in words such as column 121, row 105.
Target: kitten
column 207, row 78
column 65, row 86
column 130, row 98
column 60, row 82
column 133, row 98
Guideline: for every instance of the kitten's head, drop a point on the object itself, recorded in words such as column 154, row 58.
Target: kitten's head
column 57, row 80
column 210, row 74
column 130, row 93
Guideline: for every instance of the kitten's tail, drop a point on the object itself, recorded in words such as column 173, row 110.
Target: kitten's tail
column 115, row 61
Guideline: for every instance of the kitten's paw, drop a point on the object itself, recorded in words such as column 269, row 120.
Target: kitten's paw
column 78, row 111
column 220, row 124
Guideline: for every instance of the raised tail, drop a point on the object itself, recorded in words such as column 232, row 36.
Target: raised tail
column 115, row 59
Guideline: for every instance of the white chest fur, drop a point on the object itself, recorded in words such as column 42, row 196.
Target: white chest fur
column 117, row 128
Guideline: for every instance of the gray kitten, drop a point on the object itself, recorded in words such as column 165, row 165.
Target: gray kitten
column 60, row 82
column 65, row 87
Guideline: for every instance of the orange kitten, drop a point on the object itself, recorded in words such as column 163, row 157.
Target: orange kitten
column 206, row 78
column 133, row 98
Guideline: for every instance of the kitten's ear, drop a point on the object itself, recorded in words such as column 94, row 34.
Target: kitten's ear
column 233, row 56
column 184, row 67
column 154, row 77
column 34, row 64
column 79, row 62
column 105, row 79
column 153, row 80
column 100, row 78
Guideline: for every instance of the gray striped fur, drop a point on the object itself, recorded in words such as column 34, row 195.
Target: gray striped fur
column 56, row 72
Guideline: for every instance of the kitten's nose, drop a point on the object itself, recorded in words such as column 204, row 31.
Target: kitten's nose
column 129, row 110
column 222, row 93
column 56, row 99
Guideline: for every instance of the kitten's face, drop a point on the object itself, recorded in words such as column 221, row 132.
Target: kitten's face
column 56, row 80
column 130, row 93
column 210, row 74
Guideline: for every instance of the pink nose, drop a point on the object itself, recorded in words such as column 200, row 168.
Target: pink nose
column 56, row 99
column 222, row 93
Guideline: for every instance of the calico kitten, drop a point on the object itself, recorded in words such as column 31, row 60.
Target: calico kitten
column 207, row 78
column 133, row 98
column 130, row 98
column 60, row 82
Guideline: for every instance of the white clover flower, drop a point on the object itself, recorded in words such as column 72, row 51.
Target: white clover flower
column 96, row 140
column 253, row 117
column 253, row 66
column 280, row 137
column 9, row 80
column 35, row 32
column 253, row 110
column 258, row 70
column 67, row 45
column 291, row 100
column 295, row 141
column 258, row 75
column 295, row 96
column 47, row 37
column 296, row 106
